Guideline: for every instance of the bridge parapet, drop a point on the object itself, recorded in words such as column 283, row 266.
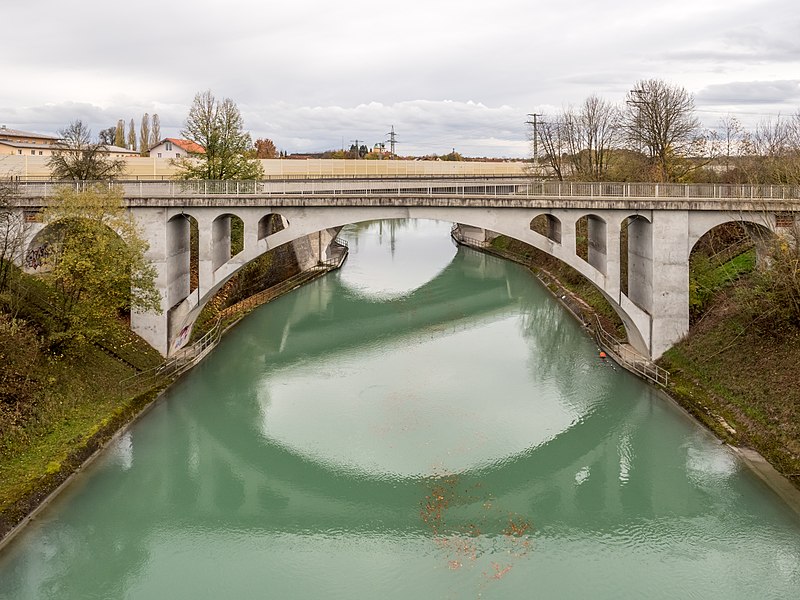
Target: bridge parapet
column 477, row 186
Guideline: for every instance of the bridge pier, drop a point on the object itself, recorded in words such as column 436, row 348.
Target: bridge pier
column 165, row 242
column 669, row 290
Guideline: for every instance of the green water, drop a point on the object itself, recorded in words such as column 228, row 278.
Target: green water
column 424, row 423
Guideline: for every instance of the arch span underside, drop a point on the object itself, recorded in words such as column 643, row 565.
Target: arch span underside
column 655, row 308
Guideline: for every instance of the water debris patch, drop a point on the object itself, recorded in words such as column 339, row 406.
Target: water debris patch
column 471, row 530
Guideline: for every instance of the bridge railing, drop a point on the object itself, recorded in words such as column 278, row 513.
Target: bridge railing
column 424, row 186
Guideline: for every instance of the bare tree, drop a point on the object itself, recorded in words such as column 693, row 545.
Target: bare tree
column 732, row 139
column 590, row 133
column 155, row 132
column 106, row 136
column 774, row 151
column 660, row 122
column 144, row 135
column 77, row 157
column 218, row 128
column 550, row 135
column 12, row 233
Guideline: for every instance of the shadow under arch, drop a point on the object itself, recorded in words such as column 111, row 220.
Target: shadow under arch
column 227, row 238
column 182, row 258
column 271, row 223
column 636, row 259
column 759, row 230
column 590, row 241
column 547, row 225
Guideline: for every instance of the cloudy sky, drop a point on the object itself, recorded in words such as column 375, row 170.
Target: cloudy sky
column 314, row 75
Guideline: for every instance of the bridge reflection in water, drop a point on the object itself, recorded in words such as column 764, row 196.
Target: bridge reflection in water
column 277, row 469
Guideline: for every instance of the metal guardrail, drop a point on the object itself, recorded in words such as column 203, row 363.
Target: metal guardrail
column 515, row 187
column 629, row 358
column 186, row 358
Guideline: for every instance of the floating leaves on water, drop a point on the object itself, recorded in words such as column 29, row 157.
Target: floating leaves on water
column 491, row 532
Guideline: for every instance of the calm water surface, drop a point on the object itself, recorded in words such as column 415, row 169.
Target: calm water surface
column 424, row 423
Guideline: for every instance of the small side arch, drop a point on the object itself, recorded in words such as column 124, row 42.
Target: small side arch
column 182, row 258
column 227, row 239
column 271, row 223
column 636, row 260
column 547, row 225
column 591, row 241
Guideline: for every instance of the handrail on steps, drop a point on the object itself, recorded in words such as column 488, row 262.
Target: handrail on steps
column 629, row 358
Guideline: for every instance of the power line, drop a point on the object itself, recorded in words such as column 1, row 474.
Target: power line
column 535, row 134
column 358, row 149
column 392, row 140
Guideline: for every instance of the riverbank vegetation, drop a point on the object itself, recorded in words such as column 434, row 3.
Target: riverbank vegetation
column 737, row 368
column 68, row 360
column 71, row 371
column 58, row 405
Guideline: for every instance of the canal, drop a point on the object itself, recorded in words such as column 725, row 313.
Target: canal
column 424, row 423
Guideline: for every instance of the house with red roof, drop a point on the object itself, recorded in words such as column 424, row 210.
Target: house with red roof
column 175, row 148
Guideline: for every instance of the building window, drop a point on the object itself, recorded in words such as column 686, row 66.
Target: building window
column 19, row 151
column 169, row 146
column 41, row 153
column 177, row 155
column 159, row 155
column 33, row 152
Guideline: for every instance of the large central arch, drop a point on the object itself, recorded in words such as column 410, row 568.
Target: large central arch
column 653, row 303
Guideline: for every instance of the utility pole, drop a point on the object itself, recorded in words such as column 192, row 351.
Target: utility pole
column 535, row 124
column 392, row 140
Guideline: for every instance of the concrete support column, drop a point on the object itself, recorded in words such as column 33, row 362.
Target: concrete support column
column 152, row 327
column 613, row 230
column 640, row 263
column 205, row 249
column 476, row 233
column 250, row 220
column 553, row 228
column 220, row 241
column 568, row 220
column 598, row 243
column 314, row 248
column 670, row 277
column 177, row 231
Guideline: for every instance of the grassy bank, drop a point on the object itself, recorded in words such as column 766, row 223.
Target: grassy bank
column 741, row 381
column 56, row 409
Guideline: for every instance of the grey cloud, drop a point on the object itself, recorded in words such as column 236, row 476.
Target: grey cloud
column 423, row 126
column 366, row 65
column 750, row 92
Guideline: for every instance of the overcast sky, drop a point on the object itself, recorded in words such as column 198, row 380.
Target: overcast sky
column 312, row 75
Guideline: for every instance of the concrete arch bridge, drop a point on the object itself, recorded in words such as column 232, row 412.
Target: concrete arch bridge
column 663, row 221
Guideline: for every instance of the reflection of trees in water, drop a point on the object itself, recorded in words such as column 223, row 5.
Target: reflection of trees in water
column 559, row 346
